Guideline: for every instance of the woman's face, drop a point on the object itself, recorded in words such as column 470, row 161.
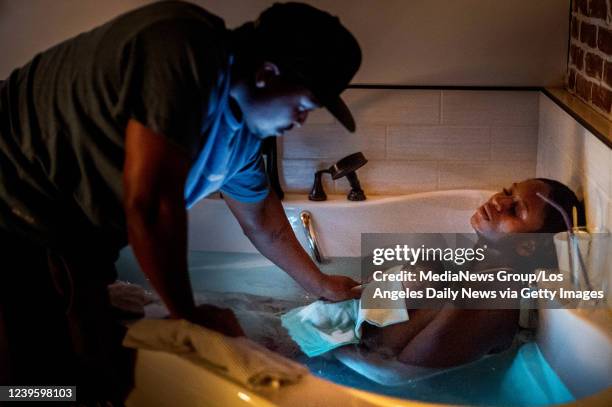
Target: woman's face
column 514, row 210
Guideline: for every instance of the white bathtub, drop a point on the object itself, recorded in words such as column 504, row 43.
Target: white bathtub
column 578, row 345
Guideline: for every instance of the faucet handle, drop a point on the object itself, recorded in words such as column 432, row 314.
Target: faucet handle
column 356, row 193
column 345, row 167
column 318, row 193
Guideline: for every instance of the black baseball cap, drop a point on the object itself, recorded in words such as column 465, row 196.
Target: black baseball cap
column 312, row 47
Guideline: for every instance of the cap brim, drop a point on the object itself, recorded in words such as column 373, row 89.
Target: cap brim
column 341, row 112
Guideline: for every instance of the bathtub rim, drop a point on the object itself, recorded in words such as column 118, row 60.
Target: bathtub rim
column 339, row 201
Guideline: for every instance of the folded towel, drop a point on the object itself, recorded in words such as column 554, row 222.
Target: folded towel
column 237, row 358
column 322, row 326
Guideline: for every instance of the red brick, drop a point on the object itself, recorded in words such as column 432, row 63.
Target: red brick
column 588, row 34
column 583, row 87
column 598, row 9
column 604, row 40
column 571, row 79
column 593, row 65
column 577, row 56
column 575, row 27
column 602, row 98
column 607, row 73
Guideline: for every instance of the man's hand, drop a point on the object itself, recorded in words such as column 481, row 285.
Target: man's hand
column 339, row 288
column 218, row 319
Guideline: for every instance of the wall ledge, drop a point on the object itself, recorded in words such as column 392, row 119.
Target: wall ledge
column 588, row 117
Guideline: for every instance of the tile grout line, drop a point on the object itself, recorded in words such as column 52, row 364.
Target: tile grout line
column 440, row 111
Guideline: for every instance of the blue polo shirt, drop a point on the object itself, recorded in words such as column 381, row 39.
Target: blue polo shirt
column 230, row 160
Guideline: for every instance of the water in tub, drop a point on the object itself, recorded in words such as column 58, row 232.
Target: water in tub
column 259, row 293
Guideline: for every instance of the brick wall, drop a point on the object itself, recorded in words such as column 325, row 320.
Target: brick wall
column 589, row 73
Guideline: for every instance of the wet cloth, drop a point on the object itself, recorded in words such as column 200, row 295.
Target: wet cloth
column 322, row 326
column 238, row 358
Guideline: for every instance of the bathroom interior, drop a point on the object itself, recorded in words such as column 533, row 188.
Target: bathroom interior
column 455, row 99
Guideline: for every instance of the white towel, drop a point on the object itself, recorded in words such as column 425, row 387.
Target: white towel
column 322, row 326
column 238, row 358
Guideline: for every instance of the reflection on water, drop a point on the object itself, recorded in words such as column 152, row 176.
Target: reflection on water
column 259, row 293
column 519, row 376
column 239, row 272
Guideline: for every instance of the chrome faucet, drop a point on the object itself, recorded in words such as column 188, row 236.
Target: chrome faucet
column 311, row 236
column 346, row 167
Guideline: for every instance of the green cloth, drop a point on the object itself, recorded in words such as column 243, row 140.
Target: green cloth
column 322, row 326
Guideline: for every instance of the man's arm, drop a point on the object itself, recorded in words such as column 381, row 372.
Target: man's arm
column 266, row 225
column 153, row 185
column 154, row 176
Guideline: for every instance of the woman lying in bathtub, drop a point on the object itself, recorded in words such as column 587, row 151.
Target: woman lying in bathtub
column 447, row 337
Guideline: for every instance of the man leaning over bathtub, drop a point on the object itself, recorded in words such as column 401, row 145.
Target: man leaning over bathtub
column 441, row 338
column 108, row 136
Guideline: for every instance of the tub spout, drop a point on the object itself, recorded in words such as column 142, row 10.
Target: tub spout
column 311, row 236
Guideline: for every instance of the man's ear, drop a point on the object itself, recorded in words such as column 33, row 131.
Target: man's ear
column 265, row 72
column 525, row 247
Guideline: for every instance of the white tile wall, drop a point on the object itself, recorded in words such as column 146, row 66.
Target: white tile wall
column 331, row 141
column 395, row 177
column 514, row 143
column 440, row 143
column 420, row 140
column 298, row 175
column 391, row 106
column 487, row 175
column 569, row 153
column 495, row 108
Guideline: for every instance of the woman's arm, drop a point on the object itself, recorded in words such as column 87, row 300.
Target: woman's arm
column 458, row 336
column 392, row 339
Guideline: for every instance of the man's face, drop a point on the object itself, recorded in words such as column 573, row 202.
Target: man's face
column 276, row 106
column 514, row 210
